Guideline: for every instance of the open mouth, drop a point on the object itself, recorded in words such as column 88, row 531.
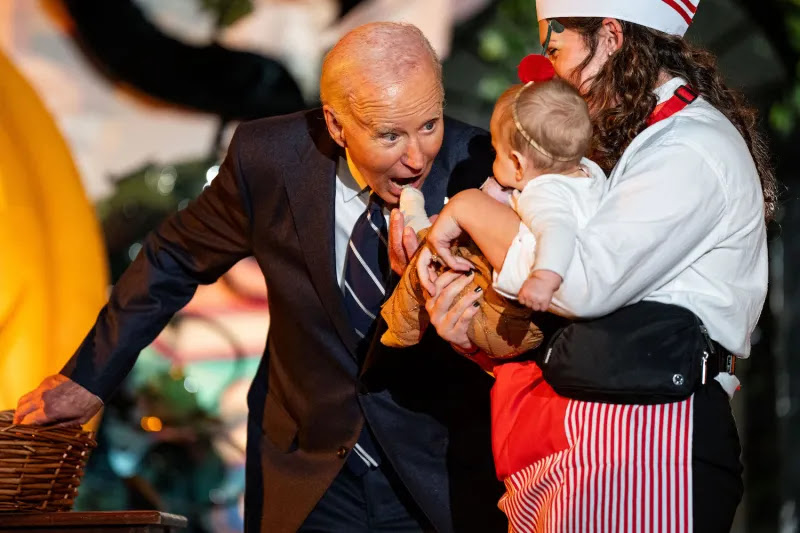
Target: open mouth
column 402, row 183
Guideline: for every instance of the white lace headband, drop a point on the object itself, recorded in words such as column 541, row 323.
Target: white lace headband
column 525, row 134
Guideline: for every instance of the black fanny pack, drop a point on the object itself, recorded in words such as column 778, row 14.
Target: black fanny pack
column 646, row 353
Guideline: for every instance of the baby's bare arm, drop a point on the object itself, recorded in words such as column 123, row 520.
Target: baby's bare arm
column 491, row 224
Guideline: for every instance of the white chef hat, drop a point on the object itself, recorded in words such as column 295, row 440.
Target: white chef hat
column 669, row 16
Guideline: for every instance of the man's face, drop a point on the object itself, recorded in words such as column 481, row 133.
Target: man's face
column 394, row 132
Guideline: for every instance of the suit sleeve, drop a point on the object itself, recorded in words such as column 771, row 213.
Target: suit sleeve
column 196, row 245
column 481, row 156
column 472, row 161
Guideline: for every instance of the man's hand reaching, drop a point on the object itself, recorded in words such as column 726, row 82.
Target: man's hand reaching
column 403, row 242
column 57, row 400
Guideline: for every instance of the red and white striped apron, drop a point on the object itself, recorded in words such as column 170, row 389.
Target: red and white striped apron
column 578, row 467
column 604, row 468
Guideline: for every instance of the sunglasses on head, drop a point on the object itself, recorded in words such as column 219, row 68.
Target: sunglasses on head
column 552, row 26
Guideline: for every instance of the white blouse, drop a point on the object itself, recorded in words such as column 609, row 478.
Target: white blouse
column 554, row 208
column 681, row 222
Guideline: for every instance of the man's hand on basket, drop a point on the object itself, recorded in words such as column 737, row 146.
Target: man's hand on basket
column 57, row 400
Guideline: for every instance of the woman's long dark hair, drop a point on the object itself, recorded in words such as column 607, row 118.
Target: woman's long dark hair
column 623, row 91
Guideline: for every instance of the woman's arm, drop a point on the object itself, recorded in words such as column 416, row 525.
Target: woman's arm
column 659, row 218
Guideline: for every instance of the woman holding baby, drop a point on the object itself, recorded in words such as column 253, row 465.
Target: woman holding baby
column 680, row 225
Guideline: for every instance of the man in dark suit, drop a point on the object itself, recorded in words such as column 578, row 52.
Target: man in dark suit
column 344, row 434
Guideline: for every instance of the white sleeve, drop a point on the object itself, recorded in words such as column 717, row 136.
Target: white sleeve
column 659, row 217
column 546, row 237
column 548, row 210
column 517, row 264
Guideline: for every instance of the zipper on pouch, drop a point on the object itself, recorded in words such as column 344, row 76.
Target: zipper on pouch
column 710, row 346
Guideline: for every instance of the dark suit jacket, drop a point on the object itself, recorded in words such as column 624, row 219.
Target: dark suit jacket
column 427, row 407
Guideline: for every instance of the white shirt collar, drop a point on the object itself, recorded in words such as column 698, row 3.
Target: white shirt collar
column 350, row 187
column 665, row 91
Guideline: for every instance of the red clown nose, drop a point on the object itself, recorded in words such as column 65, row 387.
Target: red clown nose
column 535, row 68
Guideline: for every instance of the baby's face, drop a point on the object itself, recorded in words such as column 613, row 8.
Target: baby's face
column 504, row 169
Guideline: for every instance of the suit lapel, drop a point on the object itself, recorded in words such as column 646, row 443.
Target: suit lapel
column 311, row 191
column 435, row 188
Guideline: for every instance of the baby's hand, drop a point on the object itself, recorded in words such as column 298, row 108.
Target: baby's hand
column 496, row 191
column 442, row 234
column 537, row 291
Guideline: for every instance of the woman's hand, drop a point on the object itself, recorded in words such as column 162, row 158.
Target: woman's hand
column 449, row 316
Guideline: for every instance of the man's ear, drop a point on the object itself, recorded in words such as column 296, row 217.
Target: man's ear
column 520, row 164
column 611, row 35
column 335, row 127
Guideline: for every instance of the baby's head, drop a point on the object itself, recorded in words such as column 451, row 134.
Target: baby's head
column 539, row 128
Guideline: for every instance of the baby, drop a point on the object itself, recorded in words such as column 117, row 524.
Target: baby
column 540, row 132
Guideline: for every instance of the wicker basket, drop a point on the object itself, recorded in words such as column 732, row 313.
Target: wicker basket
column 41, row 467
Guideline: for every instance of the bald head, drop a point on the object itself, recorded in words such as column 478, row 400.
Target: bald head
column 374, row 55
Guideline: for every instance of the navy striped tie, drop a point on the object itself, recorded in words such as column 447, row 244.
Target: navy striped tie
column 366, row 268
column 366, row 274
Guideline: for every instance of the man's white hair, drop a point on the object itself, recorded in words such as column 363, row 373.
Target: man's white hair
column 380, row 52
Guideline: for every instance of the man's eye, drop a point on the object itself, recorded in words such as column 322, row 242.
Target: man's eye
column 391, row 137
column 429, row 125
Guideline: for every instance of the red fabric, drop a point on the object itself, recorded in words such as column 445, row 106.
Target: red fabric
column 626, row 469
column 484, row 361
column 681, row 11
column 519, row 438
column 536, row 68
column 677, row 103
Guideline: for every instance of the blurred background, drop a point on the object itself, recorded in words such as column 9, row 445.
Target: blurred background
column 115, row 113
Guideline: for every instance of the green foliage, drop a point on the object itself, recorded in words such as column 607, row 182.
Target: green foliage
column 141, row 200
column 783, row 114
column 226, row 12
column 503, row 42
column 782, row 118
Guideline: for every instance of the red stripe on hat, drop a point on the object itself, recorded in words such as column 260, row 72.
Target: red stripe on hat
column 686, row 16
column 691, row 7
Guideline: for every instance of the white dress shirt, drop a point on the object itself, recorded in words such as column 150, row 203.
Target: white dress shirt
column 350, row 202
column 552, row 207
column 681, row 222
